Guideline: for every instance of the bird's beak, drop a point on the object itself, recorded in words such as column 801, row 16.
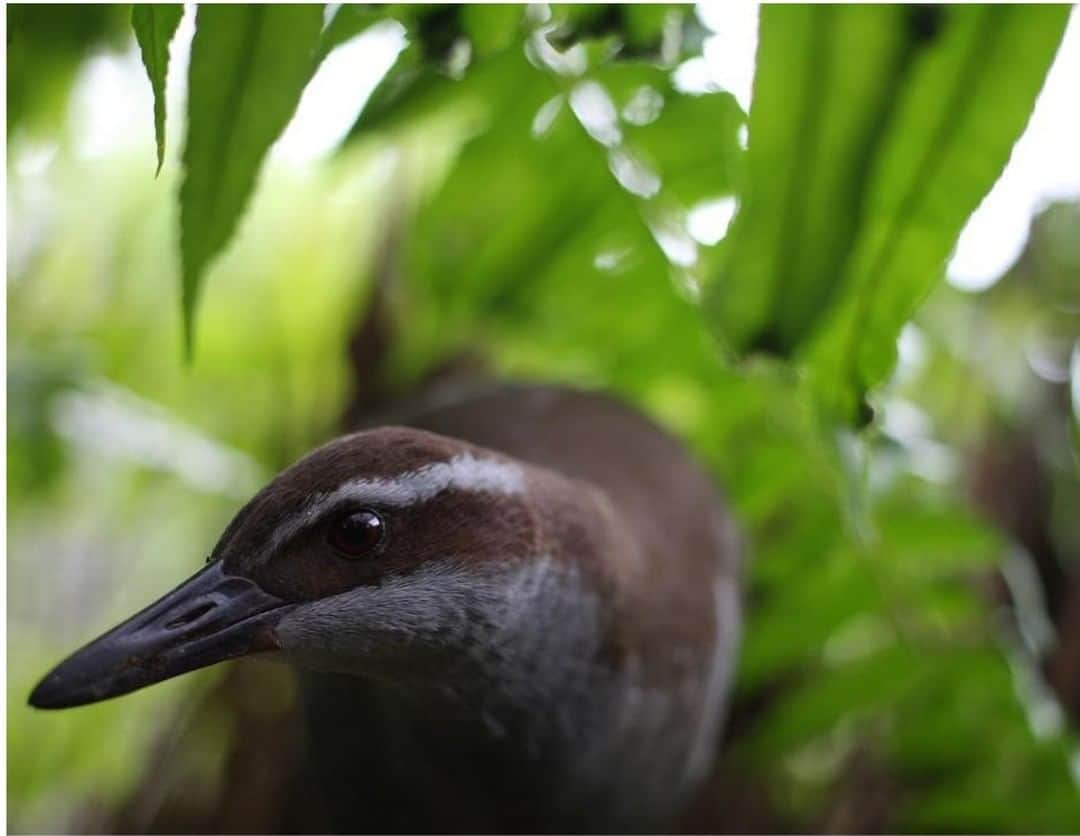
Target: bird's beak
column 210, row 617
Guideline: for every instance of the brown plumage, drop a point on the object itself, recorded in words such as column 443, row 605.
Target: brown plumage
column 540, row 636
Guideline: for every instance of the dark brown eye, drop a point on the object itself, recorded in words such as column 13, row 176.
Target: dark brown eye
column 357, row 534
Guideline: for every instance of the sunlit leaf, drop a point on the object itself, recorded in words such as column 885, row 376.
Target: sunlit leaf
column 249, row 65
column 491, row 27
column 154, row 27
column 814, row 124
column 965, row 102
column 862, row 172
column 693, row 171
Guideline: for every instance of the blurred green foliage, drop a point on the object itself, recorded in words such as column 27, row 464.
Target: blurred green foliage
column 45, row 46
column 526, row 181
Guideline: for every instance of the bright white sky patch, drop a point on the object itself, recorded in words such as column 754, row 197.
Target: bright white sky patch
column 708, row 221
column 675, row 241
column 112, row 106
column 728, row 62
column 334, row 97
column 596, row 111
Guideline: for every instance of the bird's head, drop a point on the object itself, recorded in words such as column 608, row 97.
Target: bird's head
column 390, row 553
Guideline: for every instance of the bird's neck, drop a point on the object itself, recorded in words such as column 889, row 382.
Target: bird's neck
column 520, row 733
column 433, row 759
column 505, row 695
column 423, row 760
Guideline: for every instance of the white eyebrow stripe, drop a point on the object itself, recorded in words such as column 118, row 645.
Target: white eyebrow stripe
column 464, row 471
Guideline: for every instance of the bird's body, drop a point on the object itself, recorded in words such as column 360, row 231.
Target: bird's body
column 516, row 609
column 616, row 745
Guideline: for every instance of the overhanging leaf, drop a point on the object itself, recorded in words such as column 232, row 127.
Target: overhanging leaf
column 965, row 103
column 813, row 125
column 874, row 133
column 154, row 27
column 249, row 65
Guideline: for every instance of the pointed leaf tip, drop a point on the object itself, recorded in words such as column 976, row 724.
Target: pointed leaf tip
column 154, row 26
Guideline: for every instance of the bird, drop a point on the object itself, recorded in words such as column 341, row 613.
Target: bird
column 515, row 608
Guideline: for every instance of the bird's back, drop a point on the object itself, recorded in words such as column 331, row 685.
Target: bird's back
column 669, row 504
column 649, row 475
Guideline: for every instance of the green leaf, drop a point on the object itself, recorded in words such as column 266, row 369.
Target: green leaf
column 692, row 171
column 861, row 173
column 938, row 540
column 45, row 48
column 814, row 120
column 965, row 103
column 154, row 27
column 491, row 27
column 249, row 65
column 807, row 711
column 841, row 589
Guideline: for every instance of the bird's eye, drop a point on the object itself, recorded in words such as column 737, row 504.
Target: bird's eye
column 357, row 534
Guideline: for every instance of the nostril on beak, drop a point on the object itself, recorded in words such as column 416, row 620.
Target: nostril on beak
column 191, row 616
